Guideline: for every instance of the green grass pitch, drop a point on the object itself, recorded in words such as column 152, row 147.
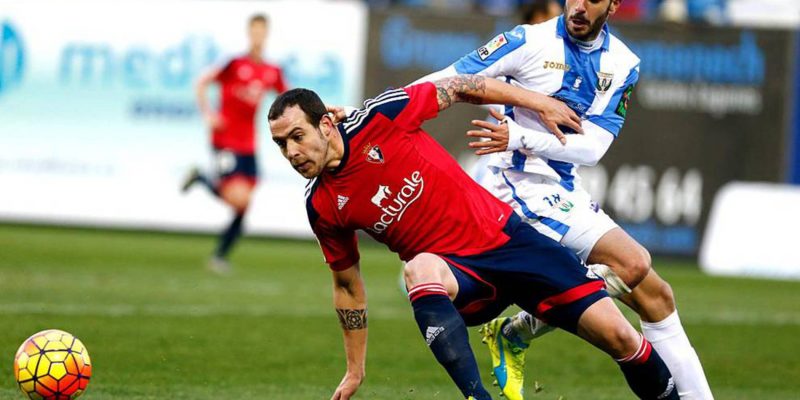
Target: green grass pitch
column 159, row 326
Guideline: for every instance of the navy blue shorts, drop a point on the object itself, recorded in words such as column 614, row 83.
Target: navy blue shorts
column 532, row 271
column 229, row 165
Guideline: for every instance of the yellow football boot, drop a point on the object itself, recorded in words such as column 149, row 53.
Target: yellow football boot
column 508, row 358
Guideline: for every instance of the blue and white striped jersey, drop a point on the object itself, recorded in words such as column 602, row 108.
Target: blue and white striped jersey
column 596, row 83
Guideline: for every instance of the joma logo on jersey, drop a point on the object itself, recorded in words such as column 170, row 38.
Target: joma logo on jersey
column 556, row 65
column 394, row 208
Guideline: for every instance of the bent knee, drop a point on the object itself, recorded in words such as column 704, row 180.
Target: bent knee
column 422, row 268
column 664, row 296
column 654, row 299
column 637, row 266
column 237, row 196
column 622, row 341
column 425, row 268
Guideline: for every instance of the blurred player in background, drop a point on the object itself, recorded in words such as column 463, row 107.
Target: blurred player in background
column 243, row 83
column 538, row 11
column 575, row 59
column 469, row 256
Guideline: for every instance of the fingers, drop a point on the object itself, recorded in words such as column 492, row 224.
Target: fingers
column 574, row 122
column 341, row 395
column 485, row 125
column 577, row 120
column 337, row 113
column 482, row 134
column 483, row 152
column 575, row 126
column 487, row 144
column 556, row 131
column 496, row 114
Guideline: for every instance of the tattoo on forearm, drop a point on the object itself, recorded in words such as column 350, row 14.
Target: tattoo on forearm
column 460, row 88
column 352, row 319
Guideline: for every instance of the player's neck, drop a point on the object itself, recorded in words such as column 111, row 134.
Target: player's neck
column 589, row 45
column 336, row 151
column 255, row 54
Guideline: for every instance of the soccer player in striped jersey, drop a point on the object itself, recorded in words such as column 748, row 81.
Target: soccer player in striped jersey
column 468, row 255
column 573, row 58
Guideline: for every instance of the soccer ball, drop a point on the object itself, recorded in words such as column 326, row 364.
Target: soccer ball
column 52, row 365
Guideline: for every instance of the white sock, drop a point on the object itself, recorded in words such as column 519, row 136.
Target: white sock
column 670, row 341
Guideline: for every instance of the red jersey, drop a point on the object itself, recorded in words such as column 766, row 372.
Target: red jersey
column 400, row 186
column 243, row 83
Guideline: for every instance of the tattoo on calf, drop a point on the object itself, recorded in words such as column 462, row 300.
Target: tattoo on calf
column 460, row 88
column 352, row 319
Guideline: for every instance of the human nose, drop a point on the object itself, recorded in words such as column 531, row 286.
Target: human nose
column 292, row 151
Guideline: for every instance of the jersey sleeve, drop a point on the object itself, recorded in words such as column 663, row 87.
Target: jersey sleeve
column 226, row 72
column 615, row 112
column 280, row 83
column 407, row 107
column 422, row 105
column 504, row 55
column 339, row 246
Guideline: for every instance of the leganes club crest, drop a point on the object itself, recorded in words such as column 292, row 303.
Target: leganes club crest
column 604, row 80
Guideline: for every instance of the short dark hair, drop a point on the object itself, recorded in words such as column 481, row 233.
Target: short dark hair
column 531, row 8
column 258, row 18
column 307, row 100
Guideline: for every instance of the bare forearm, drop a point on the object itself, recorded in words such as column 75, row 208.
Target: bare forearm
column 201, row 90
column 477, row 89
column 202, row 97
column 350, row 301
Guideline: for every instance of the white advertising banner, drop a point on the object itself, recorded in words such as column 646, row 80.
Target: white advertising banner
column 98, row 122
column 752, row 231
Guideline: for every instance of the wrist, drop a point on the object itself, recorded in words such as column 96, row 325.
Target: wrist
column 536, row 101
column 515, row 135
column 356, row 373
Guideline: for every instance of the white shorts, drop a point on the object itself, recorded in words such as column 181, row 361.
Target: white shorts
column 570, row 218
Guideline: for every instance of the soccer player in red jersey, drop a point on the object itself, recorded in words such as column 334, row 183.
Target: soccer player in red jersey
column 468, row 255
column 243, row 82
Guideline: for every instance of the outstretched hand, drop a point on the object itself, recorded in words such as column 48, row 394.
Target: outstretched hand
column 497, row 135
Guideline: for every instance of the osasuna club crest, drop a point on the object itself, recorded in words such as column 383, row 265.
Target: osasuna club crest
column 375, row 155
column 604, row 81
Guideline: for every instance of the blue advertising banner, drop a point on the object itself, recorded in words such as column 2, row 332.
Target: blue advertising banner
column 98, row 118
column 712, row 105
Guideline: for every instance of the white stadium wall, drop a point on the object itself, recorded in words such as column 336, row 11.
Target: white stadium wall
column 98, row 122
column 752, row 231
